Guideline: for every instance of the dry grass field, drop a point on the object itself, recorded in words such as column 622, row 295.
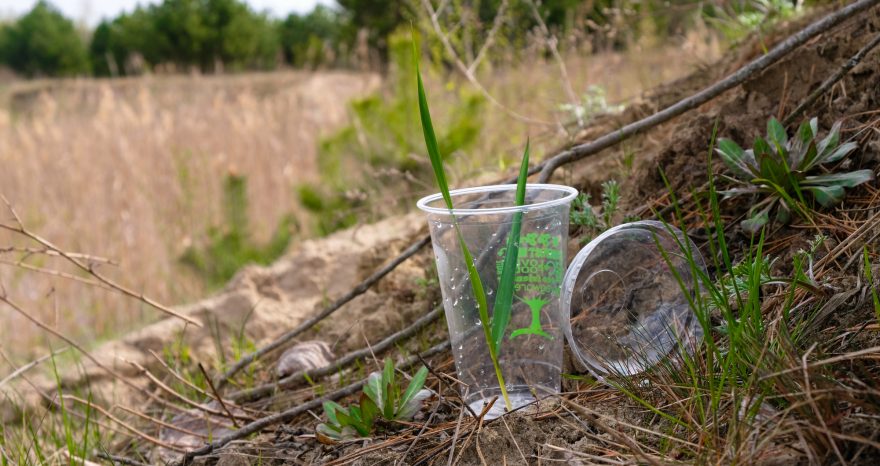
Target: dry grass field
column 132, row 169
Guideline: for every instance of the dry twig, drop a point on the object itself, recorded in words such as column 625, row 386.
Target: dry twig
column 88, row 268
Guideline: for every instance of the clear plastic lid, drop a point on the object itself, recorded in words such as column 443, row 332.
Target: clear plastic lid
column 627, row 310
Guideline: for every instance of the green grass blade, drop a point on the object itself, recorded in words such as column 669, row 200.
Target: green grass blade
column 474, row 276
column 431, row 140
column 504, row 297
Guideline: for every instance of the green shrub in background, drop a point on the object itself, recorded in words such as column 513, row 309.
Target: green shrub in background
column 230, row 247
column 43, row 43
column 384, row 139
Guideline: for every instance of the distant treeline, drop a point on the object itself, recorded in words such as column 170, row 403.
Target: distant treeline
column 217, row 35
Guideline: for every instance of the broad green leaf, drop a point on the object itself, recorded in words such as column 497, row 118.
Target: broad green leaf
column 783, row 213
column 776, row 133
column 330, row 409
column 846, row 180
column 358, row 421
column 416, row 384
column 388, row 386
column 504, row 296
column 814, row 126
column 413, row 405
column 838, row 153
column 810, row 157
column 761, row 148
column 369, row 410
column 374, row 389
column 826, row 195
column 732, row 155
column 827, row 145
column 330, row 431
column 806, row 132
column 754, row 224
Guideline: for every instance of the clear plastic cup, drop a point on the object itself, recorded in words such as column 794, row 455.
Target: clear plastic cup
column 625, row 306
column 530, row 354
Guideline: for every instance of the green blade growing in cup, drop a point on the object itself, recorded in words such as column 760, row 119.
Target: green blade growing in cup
column 504, row 299
column 494, row 329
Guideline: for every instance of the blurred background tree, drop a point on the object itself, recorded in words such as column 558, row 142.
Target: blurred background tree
column 228, row 35
column 43, row 43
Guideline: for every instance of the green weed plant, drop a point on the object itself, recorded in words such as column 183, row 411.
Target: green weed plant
column 382, row 401
column 785, row 172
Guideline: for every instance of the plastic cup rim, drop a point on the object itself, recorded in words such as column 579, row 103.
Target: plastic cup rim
column 570, row 194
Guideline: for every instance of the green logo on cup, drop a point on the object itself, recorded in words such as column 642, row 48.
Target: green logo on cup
column 538, row 274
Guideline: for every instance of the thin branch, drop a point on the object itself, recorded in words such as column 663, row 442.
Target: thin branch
column 165, row 388
column 20, row 229
column 300, row 376
column 552, row 45
column 161, row 423
column 292, row 413
column 580, row 151
column 832, row 80
column 468, row 74
column 120, row 459
column 217, row 395
column 490, row 38
column 55, row 273
column 48, row 252
column 360, row 289
column 5, row 299
column 124, row 424
column 30, row 365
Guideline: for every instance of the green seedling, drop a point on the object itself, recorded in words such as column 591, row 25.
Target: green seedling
column 582, row 213
column 495, row 328
column 380, row 400
column 534, row 328
column 778, row 169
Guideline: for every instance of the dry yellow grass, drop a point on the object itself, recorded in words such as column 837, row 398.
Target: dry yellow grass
column 132, row 169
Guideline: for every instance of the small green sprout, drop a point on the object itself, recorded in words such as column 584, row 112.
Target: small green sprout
column 582, row 213
column 779, row 169
column 381, row 399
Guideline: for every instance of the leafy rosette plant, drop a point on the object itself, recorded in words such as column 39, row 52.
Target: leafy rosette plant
column 381, row 400
column 782, row 170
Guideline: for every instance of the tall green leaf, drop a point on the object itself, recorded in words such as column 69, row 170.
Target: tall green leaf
column 504, row 297
column 473, row 275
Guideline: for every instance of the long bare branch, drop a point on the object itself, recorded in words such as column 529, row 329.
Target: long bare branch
column 88, row 268
column 301, row 376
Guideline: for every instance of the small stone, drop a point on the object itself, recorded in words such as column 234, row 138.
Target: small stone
column 304, row 356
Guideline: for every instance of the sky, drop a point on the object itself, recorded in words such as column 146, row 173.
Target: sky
column 92, row 11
